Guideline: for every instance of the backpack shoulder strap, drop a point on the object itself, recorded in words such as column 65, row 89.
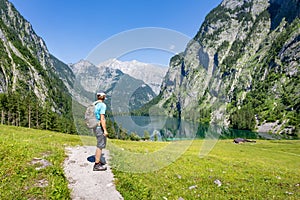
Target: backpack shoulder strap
column 95, row 103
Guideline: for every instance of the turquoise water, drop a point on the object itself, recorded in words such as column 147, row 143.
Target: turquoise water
column 167, row 128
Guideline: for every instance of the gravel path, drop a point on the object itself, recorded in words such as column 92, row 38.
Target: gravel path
column 83, row 181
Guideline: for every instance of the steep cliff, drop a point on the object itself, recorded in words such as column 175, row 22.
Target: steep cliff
column 31, row 77
column 241, row 69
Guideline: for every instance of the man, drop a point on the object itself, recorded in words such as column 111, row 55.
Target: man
column 100, row 131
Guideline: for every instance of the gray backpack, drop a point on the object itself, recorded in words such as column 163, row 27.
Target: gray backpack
column 89, row 117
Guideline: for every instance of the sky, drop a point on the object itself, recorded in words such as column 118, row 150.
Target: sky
column 74, row 29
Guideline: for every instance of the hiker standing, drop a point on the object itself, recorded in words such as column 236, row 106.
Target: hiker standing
column 100, row 131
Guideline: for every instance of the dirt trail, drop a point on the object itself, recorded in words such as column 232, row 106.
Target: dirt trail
column 83, row 181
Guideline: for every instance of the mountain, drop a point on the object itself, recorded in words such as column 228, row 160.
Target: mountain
column 34, row 84
column 36, row 88
column 241, row 69
column 151, row 74
column 124, row 92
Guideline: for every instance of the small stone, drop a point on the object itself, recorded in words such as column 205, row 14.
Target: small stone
column 109, row 185
column 42, row 162
column 193, row 187
column 84, row 165
column 218, row 182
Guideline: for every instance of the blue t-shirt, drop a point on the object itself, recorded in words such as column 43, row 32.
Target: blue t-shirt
column 100, row 108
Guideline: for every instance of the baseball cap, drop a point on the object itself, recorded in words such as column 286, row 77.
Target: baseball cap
column 101, row 94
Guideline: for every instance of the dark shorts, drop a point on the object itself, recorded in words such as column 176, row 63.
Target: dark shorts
column 101, row 139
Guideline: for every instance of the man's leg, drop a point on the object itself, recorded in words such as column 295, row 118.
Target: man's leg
column 98, row 165
column 100, row 145
column 98, row 155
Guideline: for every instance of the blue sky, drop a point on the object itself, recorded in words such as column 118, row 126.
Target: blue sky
column 73, row 28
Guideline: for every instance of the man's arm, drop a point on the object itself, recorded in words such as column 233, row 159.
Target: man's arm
column 103, row 124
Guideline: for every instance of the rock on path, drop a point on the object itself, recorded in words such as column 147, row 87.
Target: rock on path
column 83, row 181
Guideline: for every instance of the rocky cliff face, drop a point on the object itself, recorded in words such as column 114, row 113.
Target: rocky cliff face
column 241, row 69
column 27, row 68
column 25, row 55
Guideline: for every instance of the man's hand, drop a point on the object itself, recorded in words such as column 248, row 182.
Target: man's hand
column 105, row 133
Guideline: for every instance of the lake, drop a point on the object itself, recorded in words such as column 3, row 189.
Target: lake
column 168, row 128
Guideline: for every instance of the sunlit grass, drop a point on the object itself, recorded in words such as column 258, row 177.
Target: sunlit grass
column 264, row 170
column 19, row 149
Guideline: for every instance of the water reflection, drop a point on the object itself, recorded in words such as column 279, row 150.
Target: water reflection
column 168, row 128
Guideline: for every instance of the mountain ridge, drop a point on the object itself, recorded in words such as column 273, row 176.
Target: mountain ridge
column 151, row 74
column 114, row 82
column 31, row 77
column 240, row 70
column 214, row 79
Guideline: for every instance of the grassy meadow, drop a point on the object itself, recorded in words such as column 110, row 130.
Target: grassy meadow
column 262, row 170
column 22, row 150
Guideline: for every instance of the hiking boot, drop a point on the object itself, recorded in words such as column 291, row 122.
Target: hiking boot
column 99, row 167
column 102, row 162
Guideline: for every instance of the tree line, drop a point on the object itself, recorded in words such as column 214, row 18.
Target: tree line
column 27, row 111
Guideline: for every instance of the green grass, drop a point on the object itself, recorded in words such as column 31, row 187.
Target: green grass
column 18, row 175
column 264, row 170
